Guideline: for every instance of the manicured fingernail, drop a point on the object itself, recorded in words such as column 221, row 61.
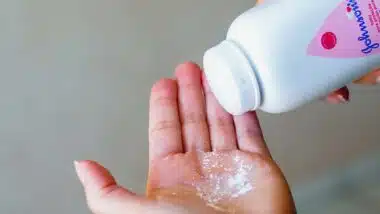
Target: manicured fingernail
column 78, row 170
column 342, row 99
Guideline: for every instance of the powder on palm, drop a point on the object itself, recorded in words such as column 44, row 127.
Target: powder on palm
column 221, row 182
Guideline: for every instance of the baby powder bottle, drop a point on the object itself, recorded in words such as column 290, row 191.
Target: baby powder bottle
column 285, row 53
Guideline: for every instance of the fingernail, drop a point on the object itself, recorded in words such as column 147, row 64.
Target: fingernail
column 78, row 171
column 342, row 99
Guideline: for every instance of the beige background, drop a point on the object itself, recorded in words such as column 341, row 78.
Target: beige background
column 74, row 84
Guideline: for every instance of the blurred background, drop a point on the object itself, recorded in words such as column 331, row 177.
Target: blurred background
column 75, row 78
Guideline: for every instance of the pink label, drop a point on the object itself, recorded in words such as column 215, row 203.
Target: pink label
column 351, row 31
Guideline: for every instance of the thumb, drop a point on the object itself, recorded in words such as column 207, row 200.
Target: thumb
column 103, row 194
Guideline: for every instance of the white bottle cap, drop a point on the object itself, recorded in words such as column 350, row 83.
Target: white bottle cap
column 232, row 78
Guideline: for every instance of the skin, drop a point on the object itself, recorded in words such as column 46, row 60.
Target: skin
column 186, row 125
column 189, row 133
column 192, row 138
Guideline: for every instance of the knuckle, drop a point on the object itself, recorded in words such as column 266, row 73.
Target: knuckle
column 97, row 201
column 193, row 119
column 165, row 101
column 109, row 191
column 250, row 133
column 191, row 87
column 163, row 126
column 221, row 123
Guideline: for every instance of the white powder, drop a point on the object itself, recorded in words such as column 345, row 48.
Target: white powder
column 224, row 182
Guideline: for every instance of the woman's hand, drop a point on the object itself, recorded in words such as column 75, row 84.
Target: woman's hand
column 343, row 95
column 202, row 159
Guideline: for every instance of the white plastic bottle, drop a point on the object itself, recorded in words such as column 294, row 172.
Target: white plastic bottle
column 285, row 53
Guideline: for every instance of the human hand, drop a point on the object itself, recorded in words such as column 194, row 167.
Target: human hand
column 201, row 159
column 343, row 95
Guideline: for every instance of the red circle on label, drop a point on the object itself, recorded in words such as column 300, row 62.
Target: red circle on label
column 329, row 40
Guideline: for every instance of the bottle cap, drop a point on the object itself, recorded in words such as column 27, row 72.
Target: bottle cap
column 231, row 78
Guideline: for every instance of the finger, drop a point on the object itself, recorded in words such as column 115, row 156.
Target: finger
column 221, row 123
column 164, row 124
column 195, row 133
column 102, row 192
column 371, row 78
column 249, row 135
column 340, row 96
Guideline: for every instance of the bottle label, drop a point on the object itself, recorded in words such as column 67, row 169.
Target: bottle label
column 351, row 31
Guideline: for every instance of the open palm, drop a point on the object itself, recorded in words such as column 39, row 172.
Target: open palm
column 202, row 159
